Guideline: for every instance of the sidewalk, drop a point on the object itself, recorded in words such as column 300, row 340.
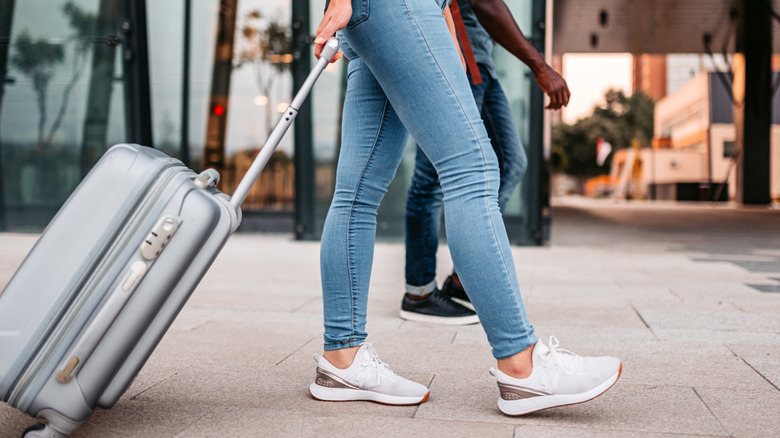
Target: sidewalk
column 688, row 296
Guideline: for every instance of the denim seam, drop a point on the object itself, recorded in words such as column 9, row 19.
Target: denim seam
column 352, row 342
column 361, row 179
column 487, row 208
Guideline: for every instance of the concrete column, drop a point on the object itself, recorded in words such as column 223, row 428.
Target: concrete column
column 753, row 102
column 305, row 228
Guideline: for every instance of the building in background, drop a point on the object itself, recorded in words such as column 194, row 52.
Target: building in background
column 692, row 156
column 699, row 27
column 650, row 75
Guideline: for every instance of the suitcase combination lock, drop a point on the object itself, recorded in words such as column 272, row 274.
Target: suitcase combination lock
column 161, row 233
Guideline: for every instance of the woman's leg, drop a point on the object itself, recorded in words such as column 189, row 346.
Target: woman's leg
column 407, row 46
column 373, row 140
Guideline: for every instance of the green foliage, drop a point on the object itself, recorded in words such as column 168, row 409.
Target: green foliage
column 36, row 57
column 264, row 41
column 266, row 45
column 82, row 23
column 621, row 120
column 558, row 158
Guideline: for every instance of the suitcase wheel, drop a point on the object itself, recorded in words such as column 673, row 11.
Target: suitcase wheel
column 41, row 430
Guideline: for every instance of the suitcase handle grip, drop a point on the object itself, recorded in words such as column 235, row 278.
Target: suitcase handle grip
column 330, row 49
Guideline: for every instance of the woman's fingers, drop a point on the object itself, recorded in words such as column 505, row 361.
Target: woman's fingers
column 336, row 17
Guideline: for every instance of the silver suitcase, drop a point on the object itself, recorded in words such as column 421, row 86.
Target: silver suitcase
column 107, row 277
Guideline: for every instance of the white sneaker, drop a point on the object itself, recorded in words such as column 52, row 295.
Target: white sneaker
column 559, row 378
column 368, row 378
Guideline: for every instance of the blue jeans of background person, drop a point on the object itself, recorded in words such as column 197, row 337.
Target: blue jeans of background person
column 405, row 73
column 424, row 202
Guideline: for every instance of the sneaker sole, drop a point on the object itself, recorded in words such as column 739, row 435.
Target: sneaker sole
column 341, row 394
column 446, row 320
column 535, row 404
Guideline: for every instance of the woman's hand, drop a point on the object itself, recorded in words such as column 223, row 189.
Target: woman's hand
column 336, row 17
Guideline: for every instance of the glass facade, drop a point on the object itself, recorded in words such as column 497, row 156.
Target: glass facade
column 238, row 81
column 517, row 80
column 61, row 102
column 219, row 73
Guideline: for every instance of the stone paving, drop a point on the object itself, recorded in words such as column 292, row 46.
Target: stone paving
column 688, row 296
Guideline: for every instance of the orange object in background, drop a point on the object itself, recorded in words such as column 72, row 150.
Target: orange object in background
column 599, row 186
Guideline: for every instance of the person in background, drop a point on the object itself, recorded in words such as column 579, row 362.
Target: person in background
column 423, row 301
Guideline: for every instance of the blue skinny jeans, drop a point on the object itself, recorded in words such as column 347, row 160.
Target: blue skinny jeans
column 405, row 74
column 424, row 202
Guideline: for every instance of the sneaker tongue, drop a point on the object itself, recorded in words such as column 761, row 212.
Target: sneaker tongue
column 364, row 353
column 540, row 349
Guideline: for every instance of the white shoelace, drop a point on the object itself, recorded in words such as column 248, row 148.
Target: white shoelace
column 379, row 368
column 570, row 363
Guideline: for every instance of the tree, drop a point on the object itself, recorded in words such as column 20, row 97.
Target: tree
column 37, row 59
column 621, row 120
column 266, row 45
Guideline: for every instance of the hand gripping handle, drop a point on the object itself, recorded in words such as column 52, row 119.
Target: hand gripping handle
column 330, row 49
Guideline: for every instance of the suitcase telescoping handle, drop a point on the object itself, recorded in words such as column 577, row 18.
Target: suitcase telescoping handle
column 167, row 226
column 330, row 49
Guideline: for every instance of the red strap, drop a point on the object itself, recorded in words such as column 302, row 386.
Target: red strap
column 460, row 30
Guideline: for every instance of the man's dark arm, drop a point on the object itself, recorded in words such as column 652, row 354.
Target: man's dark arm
column 497, row 19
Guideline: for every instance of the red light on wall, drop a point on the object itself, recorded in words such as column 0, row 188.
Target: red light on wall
column 218, row 110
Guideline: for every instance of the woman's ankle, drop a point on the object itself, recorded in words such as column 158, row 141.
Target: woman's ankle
column 519, row 365
column 342, row 358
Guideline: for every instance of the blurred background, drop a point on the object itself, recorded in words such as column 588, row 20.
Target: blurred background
column 671, row 101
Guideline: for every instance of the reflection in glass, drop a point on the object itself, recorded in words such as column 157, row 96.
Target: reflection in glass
column 517, row 81
column 6, row 15
column 262, row 55
column 59, row 106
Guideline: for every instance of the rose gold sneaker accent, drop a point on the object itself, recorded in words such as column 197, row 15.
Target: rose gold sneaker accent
column 330, row 380
column 512, row 392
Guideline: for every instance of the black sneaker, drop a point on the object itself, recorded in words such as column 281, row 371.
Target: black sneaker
column 437, row 308
column 456, row 293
